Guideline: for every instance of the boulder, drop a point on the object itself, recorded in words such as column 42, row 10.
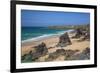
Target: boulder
column 61, row 52
column 79, row 33
column 64, row 40
column 40, row 50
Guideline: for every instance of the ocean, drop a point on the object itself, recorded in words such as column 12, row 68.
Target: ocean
column 35, row 33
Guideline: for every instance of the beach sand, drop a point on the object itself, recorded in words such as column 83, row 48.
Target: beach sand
column 51, row 42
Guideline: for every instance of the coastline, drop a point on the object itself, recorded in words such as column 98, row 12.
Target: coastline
column 27, row 45
column 45, row 36
column 51, row 41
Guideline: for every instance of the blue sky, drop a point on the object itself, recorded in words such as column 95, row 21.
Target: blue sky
column 53, row 18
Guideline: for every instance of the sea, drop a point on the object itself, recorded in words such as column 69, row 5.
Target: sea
column 37, row 33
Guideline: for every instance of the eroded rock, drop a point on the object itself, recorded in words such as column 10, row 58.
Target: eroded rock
column 84, row 55
column 56, row 54
column 64, row 40
column 40, row 50
column 78, row 34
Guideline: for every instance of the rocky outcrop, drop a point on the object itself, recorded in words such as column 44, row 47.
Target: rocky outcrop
column 56, row 54
column 70, row 53
column 61, row 51
column 27, row 57
column 86, row 52
column 86, row 36
column 84, row 55
column 64, row 40
column 78, row 34
column 40, row 50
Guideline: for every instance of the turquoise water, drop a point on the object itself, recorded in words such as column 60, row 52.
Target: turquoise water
column 38, row 32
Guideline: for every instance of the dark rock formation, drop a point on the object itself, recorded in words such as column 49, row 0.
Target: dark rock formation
column 71, row 52
column 86, row 52
column 52, row 56
column 40, row 50
column 84, row 55
column 86, row 36
column 27, row 57
column 64, row 40
column 56, row 54
column 84, row 33
column 60, row 51
column 79, row 33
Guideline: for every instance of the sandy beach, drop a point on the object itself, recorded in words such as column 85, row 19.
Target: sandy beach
column 51, row 42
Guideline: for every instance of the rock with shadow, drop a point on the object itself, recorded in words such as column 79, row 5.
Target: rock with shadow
column 64, row 40
column 84, row 55
column 78, row 33
column 56, row 54
column 40, row 50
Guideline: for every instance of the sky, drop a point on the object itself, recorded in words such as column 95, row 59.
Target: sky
column 53, row 18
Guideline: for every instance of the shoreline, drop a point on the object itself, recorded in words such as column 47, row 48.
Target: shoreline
column 51, row 42
column 45, row 36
